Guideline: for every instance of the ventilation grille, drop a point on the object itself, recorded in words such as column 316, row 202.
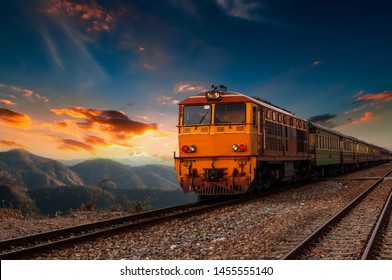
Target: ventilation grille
column 214, row 190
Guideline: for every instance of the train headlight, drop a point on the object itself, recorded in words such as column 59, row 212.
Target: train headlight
column 188, row 149
column 192, row 148
column 213, row 95
column 239, row 148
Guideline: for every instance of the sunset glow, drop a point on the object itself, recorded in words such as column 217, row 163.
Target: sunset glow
column 86, row 79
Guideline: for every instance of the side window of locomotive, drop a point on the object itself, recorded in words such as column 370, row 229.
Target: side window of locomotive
column 230, row 113
column 199, row 114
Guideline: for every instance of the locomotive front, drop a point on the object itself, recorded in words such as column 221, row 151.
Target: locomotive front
column 217, row 152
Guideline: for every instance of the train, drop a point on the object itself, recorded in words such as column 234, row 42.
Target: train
column 233, row 144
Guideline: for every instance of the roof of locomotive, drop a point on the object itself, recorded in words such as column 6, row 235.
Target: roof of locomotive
column 230, row 96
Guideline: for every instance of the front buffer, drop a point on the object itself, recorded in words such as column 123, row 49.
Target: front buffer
column 215, row 176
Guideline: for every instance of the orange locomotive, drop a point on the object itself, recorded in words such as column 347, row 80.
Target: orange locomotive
column 232, row 144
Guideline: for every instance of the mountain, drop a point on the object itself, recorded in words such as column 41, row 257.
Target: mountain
column 127, row 177
column 31, row 171
column 41, row 185
column 158, row 175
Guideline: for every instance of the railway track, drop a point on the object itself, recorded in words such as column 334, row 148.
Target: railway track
column 354, row 232
column 380, row 243
column 30, row 246
column 26, row 246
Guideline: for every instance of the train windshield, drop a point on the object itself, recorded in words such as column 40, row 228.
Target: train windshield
column 198, row 114
column 230, row 113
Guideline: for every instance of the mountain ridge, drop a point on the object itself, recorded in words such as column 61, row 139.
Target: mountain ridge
column 28, row 180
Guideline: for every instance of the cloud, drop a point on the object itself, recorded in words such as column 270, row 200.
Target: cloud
column 77, row 20
column 324, row 120
column 316, row 62
column 73, row 145
column 93, row 16
column 149, row 66
column 115, row 123
column 12, row 118
column 28, row 93
column 188, row 88
column 52, row 48
column 244, row 9
column 371, row 99
column 385, row 96
column 367, row 116
column 10, row 143
column 359, row 93
column 7, row 102
column 167, row 100
column 360, row 108
column 180, row 88
column 95, row 140
column 62, row 124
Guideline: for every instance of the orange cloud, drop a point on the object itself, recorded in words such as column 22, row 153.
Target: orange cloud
column 367, row 116
column 73, row 145
column 12, row 118
column 94, row 16
column 7, row 102
column 26, row 92
column 95, row 140
column 62, row 124
column 10, row 143
column 375, row 98
column 115, row 123
column 385, row 96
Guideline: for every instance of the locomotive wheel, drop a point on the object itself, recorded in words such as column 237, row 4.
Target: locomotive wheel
column 266, row 182
column 257, row 184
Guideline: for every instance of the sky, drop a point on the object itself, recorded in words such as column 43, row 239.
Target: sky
column 84, row 79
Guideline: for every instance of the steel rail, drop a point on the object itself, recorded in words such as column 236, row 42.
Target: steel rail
column 377, row 231
column 44, row 235
column 60, row 237
column 331, row 222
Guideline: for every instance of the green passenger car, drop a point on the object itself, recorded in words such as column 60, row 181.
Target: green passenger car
column 324, row 145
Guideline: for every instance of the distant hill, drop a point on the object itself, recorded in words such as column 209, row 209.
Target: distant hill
column 38, row 184
column 127, row 177
column 32, row 171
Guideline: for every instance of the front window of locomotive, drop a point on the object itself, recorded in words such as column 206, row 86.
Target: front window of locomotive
column 230, row 113
column 197, row 115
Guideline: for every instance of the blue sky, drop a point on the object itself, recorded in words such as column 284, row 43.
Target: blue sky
column 103, row 78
